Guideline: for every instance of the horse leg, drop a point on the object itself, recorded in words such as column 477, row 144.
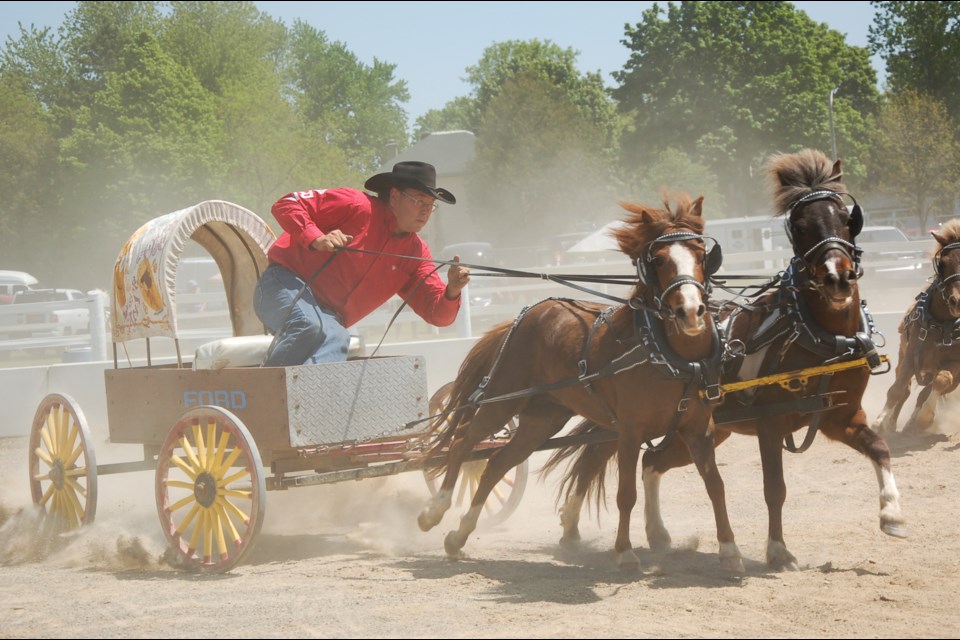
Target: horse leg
column 860, row 437
column 533, row 429
column 589, row 465
column 701, row 448
column 628, row 454
column 775, row 494
column 487, row 421
column 926, row 409
column 655, row 464
column 897, row 394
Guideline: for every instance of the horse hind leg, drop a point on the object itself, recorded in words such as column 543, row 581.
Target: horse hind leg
column 774, row 494
column 587, row 472
column 656, row 463
column 488, row 420
column 532, row 431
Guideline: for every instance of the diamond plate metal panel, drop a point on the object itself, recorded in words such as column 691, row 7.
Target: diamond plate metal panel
column 355, row 400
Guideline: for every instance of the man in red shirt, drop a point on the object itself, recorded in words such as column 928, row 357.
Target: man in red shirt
column 311, row 292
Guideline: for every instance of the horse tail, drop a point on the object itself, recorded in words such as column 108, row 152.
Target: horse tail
column 458, row 410
column 584, row 464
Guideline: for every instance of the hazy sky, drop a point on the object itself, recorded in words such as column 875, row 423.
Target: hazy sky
column 432, row 43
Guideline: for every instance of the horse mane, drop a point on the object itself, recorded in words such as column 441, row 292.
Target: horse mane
column 647, row 223
column 950, row 231
column 794, row 175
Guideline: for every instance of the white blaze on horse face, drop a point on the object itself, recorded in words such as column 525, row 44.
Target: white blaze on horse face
column 686, row 264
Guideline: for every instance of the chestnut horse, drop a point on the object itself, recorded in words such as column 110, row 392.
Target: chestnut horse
column 929, row 340
column 812, row 318
column 635, row 369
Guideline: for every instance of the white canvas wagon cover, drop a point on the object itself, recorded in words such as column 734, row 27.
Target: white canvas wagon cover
column 144, row 277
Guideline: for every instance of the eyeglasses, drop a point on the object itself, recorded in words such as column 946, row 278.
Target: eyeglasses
column 422, row 204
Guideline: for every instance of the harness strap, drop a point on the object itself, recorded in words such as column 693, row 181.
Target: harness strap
column 814, row 425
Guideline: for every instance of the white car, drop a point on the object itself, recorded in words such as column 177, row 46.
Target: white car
column 49, row 315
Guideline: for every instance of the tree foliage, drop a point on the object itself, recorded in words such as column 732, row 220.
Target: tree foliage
column 539, row 164
column 358, row 107
column 135, row 109
column 917, row 145
column 729, row 82
column 920, row 43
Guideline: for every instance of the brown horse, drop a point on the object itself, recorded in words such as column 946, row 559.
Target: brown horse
column 929, row 340
column 634, row 368
column 812, row 318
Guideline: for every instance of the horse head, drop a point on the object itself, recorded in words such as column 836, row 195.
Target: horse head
column 808, row 192
column 673, row 265
column 946, row 265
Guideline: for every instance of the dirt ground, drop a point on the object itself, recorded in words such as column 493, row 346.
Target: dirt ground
column 348, row 560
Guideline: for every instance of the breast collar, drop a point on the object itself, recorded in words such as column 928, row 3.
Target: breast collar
column 948, row 330
column 792, row 320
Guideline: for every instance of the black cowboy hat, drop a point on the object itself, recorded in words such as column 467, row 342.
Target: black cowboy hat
column 419, row 175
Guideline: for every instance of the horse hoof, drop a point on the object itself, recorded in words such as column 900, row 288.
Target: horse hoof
column 628, row 561
column 570, row 540
column 659, row 541
column 424, row 522
column 895, row 529
column 453, row 545
column 733, row 565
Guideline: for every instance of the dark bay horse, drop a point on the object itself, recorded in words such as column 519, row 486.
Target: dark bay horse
column 814, row 317
column 929, row 340
column 635, row 368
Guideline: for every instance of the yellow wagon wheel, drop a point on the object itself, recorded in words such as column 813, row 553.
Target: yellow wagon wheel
column 63, row 468
column 506, row 495
column 210, row 489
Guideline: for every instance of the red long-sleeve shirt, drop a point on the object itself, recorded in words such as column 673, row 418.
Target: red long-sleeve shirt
column 354, row 284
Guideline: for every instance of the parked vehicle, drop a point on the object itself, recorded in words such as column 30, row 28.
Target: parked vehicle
column 12, row 282
column 50, row 316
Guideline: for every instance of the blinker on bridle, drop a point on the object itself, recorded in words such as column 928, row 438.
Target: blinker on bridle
column 811, row 255
column 941, row 281
column 712, row 263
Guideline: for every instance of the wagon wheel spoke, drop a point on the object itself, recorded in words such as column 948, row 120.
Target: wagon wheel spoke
column 210, row 489
column 62, row 464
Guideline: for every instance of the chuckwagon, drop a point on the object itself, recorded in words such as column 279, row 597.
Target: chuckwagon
column 218, row 429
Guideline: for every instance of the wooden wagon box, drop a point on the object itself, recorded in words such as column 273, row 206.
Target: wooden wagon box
column 282, row 407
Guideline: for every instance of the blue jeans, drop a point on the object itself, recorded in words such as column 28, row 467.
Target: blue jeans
column 308, row 334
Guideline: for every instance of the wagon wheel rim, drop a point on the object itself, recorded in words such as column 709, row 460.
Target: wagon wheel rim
column 506, row 494
column 62, row 463
column 210, row 490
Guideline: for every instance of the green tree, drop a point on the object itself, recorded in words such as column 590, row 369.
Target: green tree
column 920, row 43
column 356, row 107
column 149, row 143
column 460, row 114
column 555, row 66
column 539, row 165
column 28, row 152
column 916, row 154
column 729, row 82
column 674, row 171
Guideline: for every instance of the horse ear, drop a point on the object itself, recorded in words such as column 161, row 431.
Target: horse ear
column 696, row 209
column 942, row 240
column 837, row 171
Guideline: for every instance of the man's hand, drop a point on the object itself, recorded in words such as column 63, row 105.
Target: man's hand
column 331, row 242
column 458, row 277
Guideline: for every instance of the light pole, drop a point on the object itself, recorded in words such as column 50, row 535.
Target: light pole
column 833, row 134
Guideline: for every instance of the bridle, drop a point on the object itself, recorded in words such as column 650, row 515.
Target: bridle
column 645, row 274
column 942, row 282
column 808, row 259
